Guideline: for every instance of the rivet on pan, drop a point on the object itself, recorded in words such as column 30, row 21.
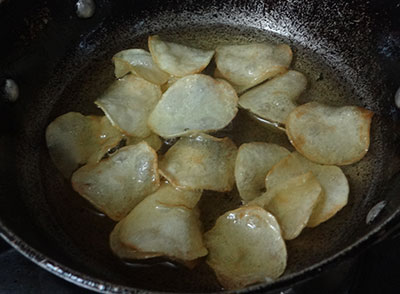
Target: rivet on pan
column 397, row 98
column 374, row 212
column 11, row 90
column 85, row 8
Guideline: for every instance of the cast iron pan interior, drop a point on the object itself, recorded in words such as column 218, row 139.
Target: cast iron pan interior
column 62, row 64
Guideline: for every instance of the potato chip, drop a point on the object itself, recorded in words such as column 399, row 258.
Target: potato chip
column 245, row 246
column 176, row 59
column 166, row 223
column 123, row 251
column 140, row 63
column 328, row 134
column 248, row 65
column 253, row 162
column 195, row 103
column 169, row 83
column 200, row 162
column 74, row 139
column 276, row 98
column 117, row 184
column 107, row 137
column 128, row 103
column 292, row 202
column 331, row 178
column 335, row 186
column 153, row 140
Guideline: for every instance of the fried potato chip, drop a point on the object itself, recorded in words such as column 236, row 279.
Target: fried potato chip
column 248, row 65
column 106, row 135
column 74, row 139
column 153, row 140
column 117, row 184
column 276, row 98
column 166, row 223
column 245, row 246
column 292, row 203
column 176, row 59
column 328, row 134
column 331, row 178
column 200, row 162
column 128, row 103
column 140, row 63
column 195, row 103
column 253, row 162
column 335, row 186
column 169, row 83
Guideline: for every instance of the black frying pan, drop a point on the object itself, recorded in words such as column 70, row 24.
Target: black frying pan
column 61, row 63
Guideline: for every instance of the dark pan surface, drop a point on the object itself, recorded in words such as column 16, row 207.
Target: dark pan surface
column 340, row 41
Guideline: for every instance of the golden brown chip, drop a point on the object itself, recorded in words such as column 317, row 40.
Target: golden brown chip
column 200, row 162
column 176, row 59
column 140, row 63
column 248, row 65
column 328, row 134
column 165, row 223
column 253, row 162
column 193, row 104
column 276, row 98
column 245, row 247
column 117, row 184
column 128, row 102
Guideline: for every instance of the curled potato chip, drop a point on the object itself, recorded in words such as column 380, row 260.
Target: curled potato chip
column 74, row 139
column 335, row 186
column 117, row 184
column 248, row 65
column 328, row 134
column 331, row 178
column 140, row 63
column 153, row 140
column 200, row 162
column 292, row 203
column 176, row 59
column 128, row 103
column 253, row 162
column 245, row 246
column 165, row 223
column 276, row 98
column 195, row 103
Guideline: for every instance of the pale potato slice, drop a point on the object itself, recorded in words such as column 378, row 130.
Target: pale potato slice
column 140, row 63
column 200, row 162
column 328, row 134
column 128, row 102
column 169, row 83
column 331, row 178
column 248, row 65
column 117, row 184
column 335, row 186
column 123, row 251
column 176, row 59
column 292, row 203
column 106, row 135
column 166, row 223
column 153, row 140
column 245, row 247
column 74, row 139
column 253, row 162
column 195, row 103
column 276, row 98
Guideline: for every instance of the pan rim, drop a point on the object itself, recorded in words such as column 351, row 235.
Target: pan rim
column 101, row 286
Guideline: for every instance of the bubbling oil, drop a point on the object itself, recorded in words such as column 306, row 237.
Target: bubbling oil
column 86, row 227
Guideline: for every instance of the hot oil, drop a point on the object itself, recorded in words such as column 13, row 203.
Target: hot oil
column 89, row 229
